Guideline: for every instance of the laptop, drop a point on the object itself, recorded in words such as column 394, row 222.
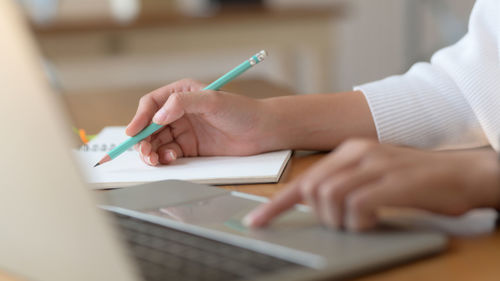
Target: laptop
column 53, row 229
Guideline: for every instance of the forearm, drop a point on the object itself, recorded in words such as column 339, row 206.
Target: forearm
column 318, row 122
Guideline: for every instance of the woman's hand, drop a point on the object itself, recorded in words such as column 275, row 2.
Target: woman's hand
column 347, row 187
column 199, row 123
column 220, row 123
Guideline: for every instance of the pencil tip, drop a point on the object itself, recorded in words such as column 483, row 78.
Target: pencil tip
column 103, row 160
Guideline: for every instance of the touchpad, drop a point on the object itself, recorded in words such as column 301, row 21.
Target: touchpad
column 225, row 212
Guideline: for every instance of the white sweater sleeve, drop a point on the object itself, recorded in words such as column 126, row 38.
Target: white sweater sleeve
column 452, row 102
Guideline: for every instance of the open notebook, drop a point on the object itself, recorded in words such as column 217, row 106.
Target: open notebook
column 128, row 169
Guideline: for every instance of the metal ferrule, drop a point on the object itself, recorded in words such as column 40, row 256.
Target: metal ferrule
column 255, row 59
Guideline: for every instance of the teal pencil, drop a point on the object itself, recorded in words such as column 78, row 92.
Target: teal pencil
column 216, row 85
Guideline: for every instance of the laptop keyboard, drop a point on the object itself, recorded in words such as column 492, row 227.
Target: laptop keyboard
column 164, row 253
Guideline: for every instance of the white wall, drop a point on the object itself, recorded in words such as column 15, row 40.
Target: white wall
column 385, row 37
column 375, row 39
column 370, row 42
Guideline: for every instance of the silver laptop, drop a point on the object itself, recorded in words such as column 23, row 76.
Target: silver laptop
column 52, row 229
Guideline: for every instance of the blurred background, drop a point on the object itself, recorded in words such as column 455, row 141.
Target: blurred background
column 121, row 46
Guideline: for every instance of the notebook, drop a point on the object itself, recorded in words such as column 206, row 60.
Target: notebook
column 128, row 169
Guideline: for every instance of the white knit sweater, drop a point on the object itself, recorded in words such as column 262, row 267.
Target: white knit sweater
column 451, row 102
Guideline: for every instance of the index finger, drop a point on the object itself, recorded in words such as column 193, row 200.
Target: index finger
column 283, row 201
column 145, row 111
column 150, row 103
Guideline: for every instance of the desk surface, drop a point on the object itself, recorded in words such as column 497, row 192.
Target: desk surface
column 471, row 258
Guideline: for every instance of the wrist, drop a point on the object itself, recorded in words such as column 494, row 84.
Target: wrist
column 276, row 127
column 483, row 180
column 317, row 122
column 294, row 122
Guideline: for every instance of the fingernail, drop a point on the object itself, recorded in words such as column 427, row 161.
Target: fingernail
column 152, row 157
column 252, row 218
column 170, row 155
column 160, row 116
column 148, row 159
column 248, row 220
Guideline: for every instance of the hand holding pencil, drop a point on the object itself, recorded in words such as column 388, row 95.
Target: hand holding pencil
column 198, row 123
column 171, row 105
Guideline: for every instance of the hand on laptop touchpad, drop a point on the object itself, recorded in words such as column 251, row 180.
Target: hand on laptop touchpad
column 227, row 211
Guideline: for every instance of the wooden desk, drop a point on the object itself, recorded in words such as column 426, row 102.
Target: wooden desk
column 473, row 258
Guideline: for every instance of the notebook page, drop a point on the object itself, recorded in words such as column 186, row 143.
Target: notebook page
column 129, row 169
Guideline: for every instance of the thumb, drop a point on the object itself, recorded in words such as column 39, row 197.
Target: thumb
column 179, row 104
